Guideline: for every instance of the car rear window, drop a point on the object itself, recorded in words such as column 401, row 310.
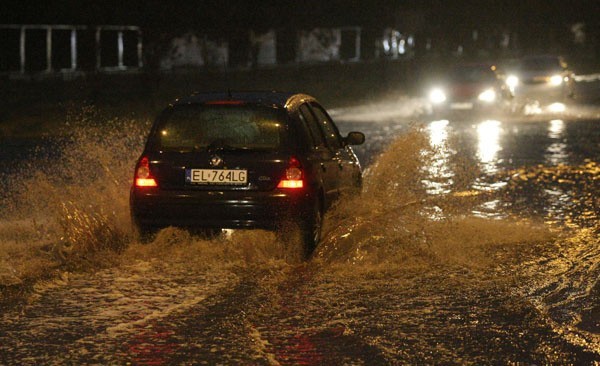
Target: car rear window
column 202, row 127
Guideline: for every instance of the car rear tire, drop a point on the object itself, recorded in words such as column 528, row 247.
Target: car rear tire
column 146, row 234
column 312, row 228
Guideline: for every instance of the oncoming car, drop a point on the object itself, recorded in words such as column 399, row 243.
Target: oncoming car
column 545, row 78
column 471, row 88
column 243, row 160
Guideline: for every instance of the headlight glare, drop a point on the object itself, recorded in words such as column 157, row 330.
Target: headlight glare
column 556, row 80
column 488, row 96
column 512, row 81
column 437, row 96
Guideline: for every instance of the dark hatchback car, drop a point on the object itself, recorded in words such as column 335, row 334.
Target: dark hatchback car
column 243, row 160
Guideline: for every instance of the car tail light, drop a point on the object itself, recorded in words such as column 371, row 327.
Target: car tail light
column 143, row 178
column 293, row 177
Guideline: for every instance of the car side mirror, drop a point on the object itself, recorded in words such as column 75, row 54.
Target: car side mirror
column 355, row 138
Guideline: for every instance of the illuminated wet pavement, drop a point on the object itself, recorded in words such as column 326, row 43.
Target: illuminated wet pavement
column 482, row 250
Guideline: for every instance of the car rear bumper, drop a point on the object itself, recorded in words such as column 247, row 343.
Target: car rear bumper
column 216, row 209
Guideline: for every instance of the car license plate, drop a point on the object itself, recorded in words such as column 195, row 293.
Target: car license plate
column 461, row 105
column 216, row 176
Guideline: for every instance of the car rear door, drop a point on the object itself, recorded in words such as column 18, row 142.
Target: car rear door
column 320, row 155
column 343, row 161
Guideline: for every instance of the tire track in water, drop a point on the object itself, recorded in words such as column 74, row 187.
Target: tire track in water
column 90, row 317
column 215, row 331
column 299, row 327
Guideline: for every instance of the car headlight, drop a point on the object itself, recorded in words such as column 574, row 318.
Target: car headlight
column 437, row 96
column 512, row 81
column 556, row 80
column 488, row 96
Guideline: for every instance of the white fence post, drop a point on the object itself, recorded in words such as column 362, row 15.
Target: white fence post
column 98, row 56
column 357, row 44
column 49, row 49
column 139, row 49
column 22, row 38
column 120, row 48
column 73, row 49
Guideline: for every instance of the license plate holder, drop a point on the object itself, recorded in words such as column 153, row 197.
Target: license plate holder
column 230, row 177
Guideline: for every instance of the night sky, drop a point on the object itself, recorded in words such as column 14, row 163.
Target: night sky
column 229, row 15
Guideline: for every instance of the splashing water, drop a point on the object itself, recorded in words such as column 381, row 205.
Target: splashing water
column 72, row 198
column 73, row 204
column 68, row 209
column 400, row 220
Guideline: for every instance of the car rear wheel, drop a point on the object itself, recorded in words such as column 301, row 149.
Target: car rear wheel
column 146, row 234
column 312, row 228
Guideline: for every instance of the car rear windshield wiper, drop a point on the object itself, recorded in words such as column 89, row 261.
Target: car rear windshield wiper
column 218, row 144
column 222, row 145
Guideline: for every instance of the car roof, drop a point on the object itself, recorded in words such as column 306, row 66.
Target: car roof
column 285, row 100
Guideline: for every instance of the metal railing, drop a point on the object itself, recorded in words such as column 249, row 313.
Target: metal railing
column 74, row 44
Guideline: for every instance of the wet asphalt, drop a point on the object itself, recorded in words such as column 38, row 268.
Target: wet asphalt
column 398, row 295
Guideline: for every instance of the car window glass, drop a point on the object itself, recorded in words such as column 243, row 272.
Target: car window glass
column 198, row 127
column 331, row 134
column 305, row 130
column 313, row 127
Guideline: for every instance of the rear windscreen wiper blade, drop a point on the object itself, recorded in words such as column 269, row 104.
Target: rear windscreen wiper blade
column 216, row 145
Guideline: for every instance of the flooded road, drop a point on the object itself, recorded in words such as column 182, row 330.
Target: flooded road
column 475, row 241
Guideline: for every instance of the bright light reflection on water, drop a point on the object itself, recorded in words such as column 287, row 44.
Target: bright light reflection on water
column 488, row 146
column 556, row 128
column 490, row 210
column 439, row 170
column 556, row 153
column 438, row 132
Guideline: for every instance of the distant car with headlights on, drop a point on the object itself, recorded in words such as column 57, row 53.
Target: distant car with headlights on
column 542, row 78
column 264, row 160
column 470, row 88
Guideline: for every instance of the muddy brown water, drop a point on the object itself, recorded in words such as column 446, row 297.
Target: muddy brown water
column 475, row 241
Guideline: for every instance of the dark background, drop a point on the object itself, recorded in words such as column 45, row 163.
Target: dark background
column 231, row 15
column 539, row 24
column 31, row 100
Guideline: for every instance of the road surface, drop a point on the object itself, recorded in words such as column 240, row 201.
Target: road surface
column 475, row 241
